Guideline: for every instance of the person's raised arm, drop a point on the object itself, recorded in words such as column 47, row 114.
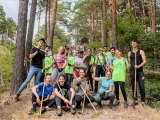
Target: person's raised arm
column 97, row 78
column 33, row 54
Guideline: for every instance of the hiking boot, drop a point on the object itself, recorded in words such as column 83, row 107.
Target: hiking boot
column 112, row 106
column 43, row 110
column 117, row 103
column 32, row 111
column 16, row 97
column 100, row 104
column 125, row 104
column 59, row 112
column 134, row 103
column 73, row 111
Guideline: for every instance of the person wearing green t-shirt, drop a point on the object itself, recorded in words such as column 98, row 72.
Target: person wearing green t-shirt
column 120, row 65
column 100, row 67
column 48, row 61
column 69, row 67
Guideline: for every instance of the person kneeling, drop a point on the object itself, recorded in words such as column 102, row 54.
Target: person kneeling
column 106, row 90
column 37, row 93
column 77, row 84
column 64, row 95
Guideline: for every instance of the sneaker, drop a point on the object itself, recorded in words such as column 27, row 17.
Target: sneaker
column 59, row 112
column 32, row 111
column 112, row 106
column 125, row 105
column 73, row 111
column 16, row 97
column 117, row 103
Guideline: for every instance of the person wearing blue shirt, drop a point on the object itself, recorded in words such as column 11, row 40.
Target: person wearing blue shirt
column 37, row 93
column 111, row 58
column 106, row 90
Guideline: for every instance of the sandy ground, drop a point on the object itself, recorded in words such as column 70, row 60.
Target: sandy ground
column 9, row 110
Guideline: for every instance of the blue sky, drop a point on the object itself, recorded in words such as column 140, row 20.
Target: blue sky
column 11, row 9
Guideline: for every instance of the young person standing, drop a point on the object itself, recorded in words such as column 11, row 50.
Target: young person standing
column 36, row 55
column 120, row 65
column 140, row 62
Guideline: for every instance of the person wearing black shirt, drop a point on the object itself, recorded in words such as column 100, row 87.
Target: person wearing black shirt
column 64, row 95
column 37, row 56
column 140, row 62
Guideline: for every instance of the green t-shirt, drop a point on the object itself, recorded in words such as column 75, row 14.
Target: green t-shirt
column 92, row 60
column 47, row 62
column 69, row 69
column 99, row 60
column 119, row 69
column 107, row 55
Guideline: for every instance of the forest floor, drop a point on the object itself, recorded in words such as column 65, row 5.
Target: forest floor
column 9, row 110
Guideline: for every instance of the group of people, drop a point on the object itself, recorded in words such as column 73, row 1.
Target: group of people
column 74, row 79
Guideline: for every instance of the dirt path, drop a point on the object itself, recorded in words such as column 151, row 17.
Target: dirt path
column 10, row 110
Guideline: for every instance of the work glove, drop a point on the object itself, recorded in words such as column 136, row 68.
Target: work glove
column 78, row 83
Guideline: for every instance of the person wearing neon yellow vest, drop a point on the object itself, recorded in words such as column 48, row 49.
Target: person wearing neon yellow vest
column 48, row 61
column 69, row 67
column 120, row 65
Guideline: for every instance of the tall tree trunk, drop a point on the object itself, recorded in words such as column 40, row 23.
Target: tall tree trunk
column 30, row 33
column 45, row 31
column 129, row 4
column 49, row 18
column 51, row 35
column 39, row 19
column 114, row 24
column 153, row 28
column 93, row 27
column 143, row 13
column 104, row 21
column 18, row 69
column 134, row 10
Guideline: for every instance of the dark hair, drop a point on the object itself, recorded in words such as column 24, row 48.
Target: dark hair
column 42, row 40
column 82, row 69
column 61, row 75
column 48, row 46
column 112, row 48
column 134, row 40
column 119, row 50
column 90, row 49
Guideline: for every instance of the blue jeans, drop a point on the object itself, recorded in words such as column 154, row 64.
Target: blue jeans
column 32, row 71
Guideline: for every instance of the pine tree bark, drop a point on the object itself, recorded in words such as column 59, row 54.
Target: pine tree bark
column 46, row 13
column 51, row 36
column 153, row 28
column 104, row 25
column 30, row 32
column 134, row 10
column 18, row 69
column 114, row 24
column 49, row 18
